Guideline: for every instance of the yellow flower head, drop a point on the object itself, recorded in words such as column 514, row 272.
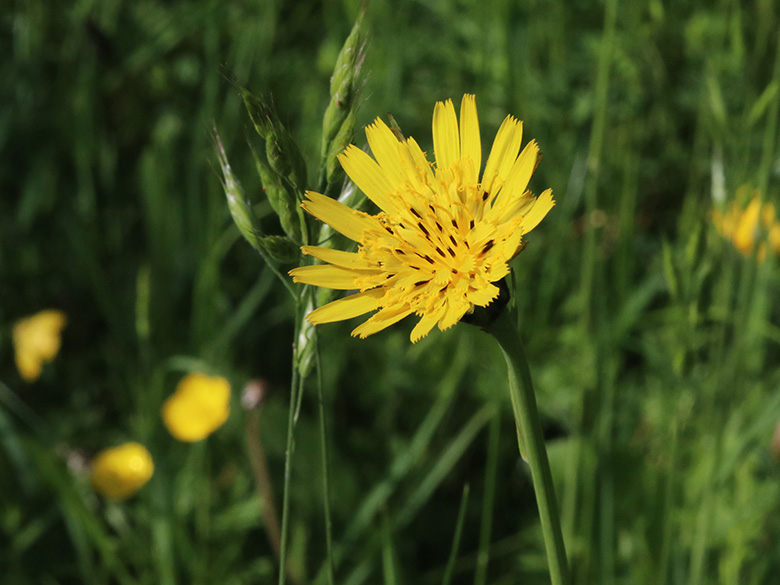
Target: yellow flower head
column 442, row 236
column 119, row 472
column 751, row 228
column 200, row 405
column 37, row 341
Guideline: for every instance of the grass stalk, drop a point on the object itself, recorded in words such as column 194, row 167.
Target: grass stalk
column 594, row 161
column 325, row 466
column 296, row 386
column 770, row 132
column 456, row 538
column 486, row 527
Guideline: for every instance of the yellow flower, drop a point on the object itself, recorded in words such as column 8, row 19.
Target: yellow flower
column 119, row 472
column 442, row 235
column 750, row 228
column 37, row 341
column 200, row 405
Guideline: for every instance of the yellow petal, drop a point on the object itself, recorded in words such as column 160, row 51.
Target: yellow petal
column 36, row 341
column 544, row 203
column 347, row 308
column 340, row 258
column 511, row 207
column 446, row 143
column 384, row 146
column 341, row 218
column 470, row 143
column 484, row 296
column 367, row 175
column 426, row 323
column 520, row 174
column 745, row 234
column 381, row 320
column 29, row 366
column 417, row 167
column 503, row 153
column 326, row 276
column 455, row 311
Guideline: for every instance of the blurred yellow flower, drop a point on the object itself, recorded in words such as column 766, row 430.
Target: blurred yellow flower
column 751, row 228
column 200, row 405
column 36, row 341
column 119, row 472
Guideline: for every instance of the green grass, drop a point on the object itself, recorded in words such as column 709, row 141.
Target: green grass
column 653, row 343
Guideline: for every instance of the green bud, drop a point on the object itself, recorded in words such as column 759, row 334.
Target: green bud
column 304, row 347
column 278, row 248
column 280, row 196
column 281, row 249
column 260, row 111
column 240, row 209
column 339, row 120
column 333, row 171
column 283, row 153
column 333, row 120
column 349, row 61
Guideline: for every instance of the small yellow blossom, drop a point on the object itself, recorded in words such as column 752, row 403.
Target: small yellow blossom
column 444, row 234
column 36, row 341
column 119, row 472
column 751, row 228
column 200, row 405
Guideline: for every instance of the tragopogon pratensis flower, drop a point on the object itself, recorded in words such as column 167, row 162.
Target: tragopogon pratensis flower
column 37, row 341
column 200, row 405
column 119, row 472
column 753, row 228
column 443, row 234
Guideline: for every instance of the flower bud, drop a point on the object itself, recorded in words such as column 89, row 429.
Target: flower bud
column 119, row 472
column 36, row 341
column 200, row 405
column 282, row 200
column 282, row 152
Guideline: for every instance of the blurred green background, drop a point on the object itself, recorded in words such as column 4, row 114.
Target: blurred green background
column 654, row 344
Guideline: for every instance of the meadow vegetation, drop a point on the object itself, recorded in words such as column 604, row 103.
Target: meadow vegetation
column 652, row 331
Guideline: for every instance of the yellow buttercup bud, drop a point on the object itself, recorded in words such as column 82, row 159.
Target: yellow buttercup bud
column 119, row 472
column 200, row 405
column 37, row 341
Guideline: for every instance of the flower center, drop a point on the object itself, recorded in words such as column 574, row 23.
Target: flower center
column 434, row 248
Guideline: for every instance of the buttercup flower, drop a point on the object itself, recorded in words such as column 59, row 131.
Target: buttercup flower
column 36, row 341
column 119, row 472
column 442, row 236
column 751, row 228
column 199, row 406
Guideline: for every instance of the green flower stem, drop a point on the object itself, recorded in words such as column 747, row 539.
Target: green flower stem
column 530, row 430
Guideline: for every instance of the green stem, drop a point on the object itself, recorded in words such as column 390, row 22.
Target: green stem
column 325, row 467
column 529, row 427
column 295, row 389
